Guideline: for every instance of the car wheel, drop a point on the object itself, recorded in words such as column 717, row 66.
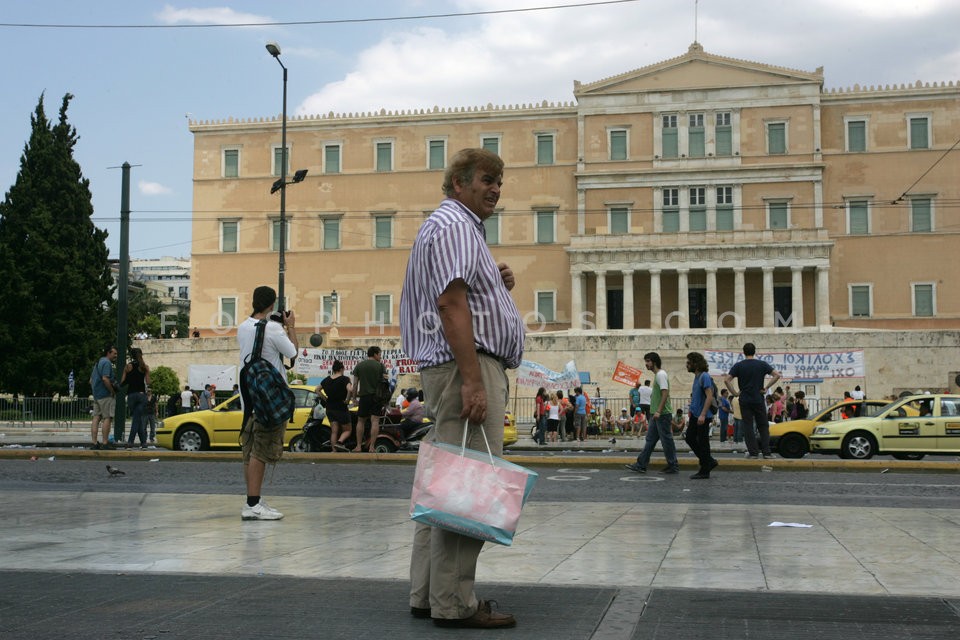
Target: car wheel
column 191, row 438
column 298, row 444
column 908, row 456
column 859, row 446
column 385, row 446
column 792, row 445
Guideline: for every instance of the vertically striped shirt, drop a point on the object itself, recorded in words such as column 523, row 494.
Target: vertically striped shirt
column 451, row 245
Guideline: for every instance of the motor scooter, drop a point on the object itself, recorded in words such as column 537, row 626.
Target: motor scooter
column 394, row 435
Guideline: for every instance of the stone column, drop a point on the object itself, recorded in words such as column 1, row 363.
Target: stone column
column 711, row 298
column 601, row 301
column 823, row 296
column 628, row 299
column 767, row 297
column 796, row 291
column 740, row 296
column 683, row 298
column 656, row 315
column 576, row 300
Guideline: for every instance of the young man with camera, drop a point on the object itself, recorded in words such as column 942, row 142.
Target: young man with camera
column 262, row 446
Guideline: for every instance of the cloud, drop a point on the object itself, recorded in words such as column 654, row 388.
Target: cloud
column 214, row 15
column 153, row 188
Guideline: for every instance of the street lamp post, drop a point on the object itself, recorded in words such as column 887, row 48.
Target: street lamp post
column 281, row 185
column 274, row 49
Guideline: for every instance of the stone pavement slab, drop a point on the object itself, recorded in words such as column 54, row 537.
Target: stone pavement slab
column 53, row 605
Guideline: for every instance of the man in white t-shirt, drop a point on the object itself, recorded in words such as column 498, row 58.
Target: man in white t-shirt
column 186, row 399
column 261, row 446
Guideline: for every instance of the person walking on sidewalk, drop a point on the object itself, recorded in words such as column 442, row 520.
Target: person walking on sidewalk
column 136, row 375
column 105, row 386
column 579, row 414
column 723, row 414
column 261, row 445
column 698, row 425
column 660, row 423
column 461, row 327
column 751, row 374
column 367, row 376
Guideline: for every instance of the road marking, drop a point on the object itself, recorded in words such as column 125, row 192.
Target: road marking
column 576, row 477
column 641, row 479
column 858, row 484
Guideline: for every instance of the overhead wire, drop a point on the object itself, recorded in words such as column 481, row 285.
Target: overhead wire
column 290, row 23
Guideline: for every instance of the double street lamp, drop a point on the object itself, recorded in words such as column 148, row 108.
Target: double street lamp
column 281, row 185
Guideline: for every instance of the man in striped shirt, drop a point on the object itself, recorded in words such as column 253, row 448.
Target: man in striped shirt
column 462, row 328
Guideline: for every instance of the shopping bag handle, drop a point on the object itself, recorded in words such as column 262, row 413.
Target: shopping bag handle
column 463, row 444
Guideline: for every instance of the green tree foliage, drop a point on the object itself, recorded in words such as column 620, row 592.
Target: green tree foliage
column 55, row 280
column 164, row 381
column 143, row 312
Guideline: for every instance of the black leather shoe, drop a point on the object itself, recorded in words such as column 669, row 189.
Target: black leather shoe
column 669, row 470
column 484, row 618
column 420, row 612
column 700, row 476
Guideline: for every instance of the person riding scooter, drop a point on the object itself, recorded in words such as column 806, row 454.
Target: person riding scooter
column 412, row 414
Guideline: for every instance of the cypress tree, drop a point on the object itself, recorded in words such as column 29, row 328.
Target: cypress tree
column 56, row 306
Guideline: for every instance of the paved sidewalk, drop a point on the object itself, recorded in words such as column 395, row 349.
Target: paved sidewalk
column 151, row 565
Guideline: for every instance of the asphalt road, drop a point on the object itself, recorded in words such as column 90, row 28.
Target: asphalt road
column 556, row 484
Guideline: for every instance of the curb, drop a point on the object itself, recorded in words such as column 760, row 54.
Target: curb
column 611, row 460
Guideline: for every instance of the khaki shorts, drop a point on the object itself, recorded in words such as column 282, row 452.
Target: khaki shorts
column 105, row 407
column 257, row 442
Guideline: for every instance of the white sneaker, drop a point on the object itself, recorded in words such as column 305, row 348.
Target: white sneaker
column 260, row 511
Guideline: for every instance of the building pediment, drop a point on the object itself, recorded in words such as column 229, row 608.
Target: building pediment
column 697, row 69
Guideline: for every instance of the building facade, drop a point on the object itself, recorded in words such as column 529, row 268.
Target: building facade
column 702, row 194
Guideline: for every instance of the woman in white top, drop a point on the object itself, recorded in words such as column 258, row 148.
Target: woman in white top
column 553, row 417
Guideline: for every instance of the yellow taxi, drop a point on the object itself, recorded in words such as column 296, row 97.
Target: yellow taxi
column 907, row 429
column 791, row 439
column 219, row 427
column 509, row 429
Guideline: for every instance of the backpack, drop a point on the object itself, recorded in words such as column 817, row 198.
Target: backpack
column 265, row 392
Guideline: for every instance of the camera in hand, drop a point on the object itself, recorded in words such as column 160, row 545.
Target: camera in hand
column 278, row 316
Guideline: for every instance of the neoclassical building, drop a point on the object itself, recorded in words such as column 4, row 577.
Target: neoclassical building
column 701, row 193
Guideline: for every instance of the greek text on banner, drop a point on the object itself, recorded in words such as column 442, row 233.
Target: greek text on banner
column 531, row 374
column 796, row 364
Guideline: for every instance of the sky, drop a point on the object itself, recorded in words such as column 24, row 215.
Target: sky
column 141, row 70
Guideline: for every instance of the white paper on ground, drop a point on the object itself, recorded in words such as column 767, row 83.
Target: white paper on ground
column 790, row 524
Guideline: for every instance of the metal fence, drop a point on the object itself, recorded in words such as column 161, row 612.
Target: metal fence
column 58, row 411
column 523, row 408
column 70, row 410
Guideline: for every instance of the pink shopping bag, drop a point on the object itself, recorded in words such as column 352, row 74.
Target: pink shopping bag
column 469, row 492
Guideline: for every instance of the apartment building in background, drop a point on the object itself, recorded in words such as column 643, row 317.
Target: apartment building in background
column 701, row 193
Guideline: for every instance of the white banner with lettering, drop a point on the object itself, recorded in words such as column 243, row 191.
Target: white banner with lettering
column 316, row 363
column 797, row 364
column 531, row 374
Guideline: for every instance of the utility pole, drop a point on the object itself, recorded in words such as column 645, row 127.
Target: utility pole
column 119, row 419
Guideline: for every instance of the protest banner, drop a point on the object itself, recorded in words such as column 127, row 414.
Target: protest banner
column 797, row 364
column 531, row 374
column 316, row 363
column 625, row 374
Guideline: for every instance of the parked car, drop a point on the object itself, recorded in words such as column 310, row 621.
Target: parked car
column 219, row 427
column 509, row 429
column 791, row 439
column 908, row 429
